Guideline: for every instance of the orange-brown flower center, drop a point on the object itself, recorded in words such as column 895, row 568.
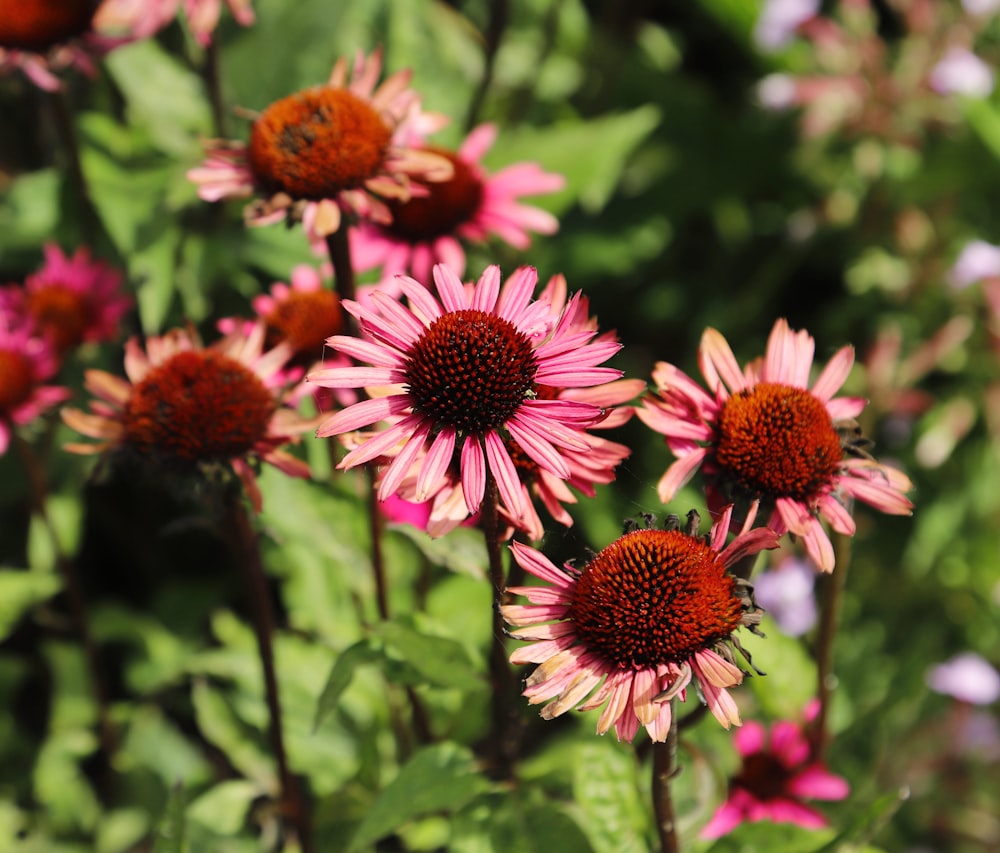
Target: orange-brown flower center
column 17, row 379
column 470, row 370
column 318, row 142
column 778, row 441
column 60, row 313
column 198, row 407
column 40, row 24
column 304, row 319
column 447, row 205
column 764, row 776
column 654, row 597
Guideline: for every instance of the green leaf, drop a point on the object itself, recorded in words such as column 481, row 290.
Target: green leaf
column 19, row 592
column 121, row 829
column 606, row 793
column 340, row 677
column 29, row 208
column 162, row 96
column 790, row 681
column 786, row 837
column 437, row 660
column 223, row 809
column 591, row 154
column 984, row 119
column 439, row 778
column 866, row 824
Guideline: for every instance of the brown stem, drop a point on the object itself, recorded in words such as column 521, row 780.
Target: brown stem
column 243, row 544
column 664, row 771
column 499, row 16
column 108, row 738
column 339, row 249
column 832, row 591
column 213, row 82
column 503, row 737
column 66, row 130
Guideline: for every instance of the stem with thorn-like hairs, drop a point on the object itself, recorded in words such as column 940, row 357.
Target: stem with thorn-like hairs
column 244, row 546
column 832, row 589
column 77, row 603
column 664, row 771
column 502, row 731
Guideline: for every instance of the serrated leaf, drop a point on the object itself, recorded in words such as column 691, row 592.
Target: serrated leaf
column 438, row 660
column 19, row 592
column 438, row 778
column 340, row 677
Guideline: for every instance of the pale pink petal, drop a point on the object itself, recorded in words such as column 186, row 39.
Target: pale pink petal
column 834, row 374
column 473, row 467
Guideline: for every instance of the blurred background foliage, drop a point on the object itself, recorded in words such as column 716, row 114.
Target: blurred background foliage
column 687, row 204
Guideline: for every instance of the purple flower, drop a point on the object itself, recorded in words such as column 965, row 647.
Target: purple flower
column 961, row 72
column 779, row 19
column 978, row 260
column 967, row 677
column 787, row 593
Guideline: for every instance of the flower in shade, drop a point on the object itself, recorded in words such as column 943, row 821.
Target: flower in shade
column 325, row 151
column 961, row 72
column 787, row 593
column 777, row 774
column 43, row 37
column 653, row 612
column 763, row 434
column 26, row 363
column 780, row 19
column 977, row 260
column 70, row 300
column 464, row 367
column 188, row 404
column 967, row 677
column 470, row 206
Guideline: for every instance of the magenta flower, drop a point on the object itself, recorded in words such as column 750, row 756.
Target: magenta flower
column 464, row 367
column 763, row 433
column 322, row 152
column 650, row 614
column 71, row 300
column 778, row 773
column 26, row 363
column 189, row 404
column 470, row 206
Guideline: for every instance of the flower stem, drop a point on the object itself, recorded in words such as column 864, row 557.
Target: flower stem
column 66, row 130
column 499, row 16
column 339, row 248
column 210, row 70
column 244, row 546
column 503, row 738
column 77, row 602
column 832, row 587
column 664, row 771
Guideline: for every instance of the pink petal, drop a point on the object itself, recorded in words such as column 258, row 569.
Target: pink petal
column 484, row 297
column 814, row 782
column 473, row 466
column 834, row 374
column 502, row 466
column 435, row 467
column 363, row 414
column 718, row 364
column 450, row 289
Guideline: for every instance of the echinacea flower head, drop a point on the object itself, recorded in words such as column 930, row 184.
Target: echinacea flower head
column 777, row 774
column 26, row 363
column 762, row 433
column 324, row 151
column 463, row 368
column 71, row 300
column 653, row 612
column 43, row 37
column 143, row 18
column 469, row 207
column 191, row 405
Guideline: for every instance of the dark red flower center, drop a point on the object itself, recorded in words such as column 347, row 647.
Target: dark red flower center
column 17, row 380
column 198, row 407
column 778, row 441
column 316, row 143
column 60, row 313
column 764, row 776
column 470, row 370
column 40, row 24
column 654, row 597
column 447, row 205
column 304, row 319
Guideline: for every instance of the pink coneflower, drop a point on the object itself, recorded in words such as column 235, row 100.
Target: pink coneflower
column 43, row 37
column 326, row 151
column 466, row 365
column 763, row 433
column 471, row 206
column 26, row 363
column 71, row 300
column 652, row 612
column 143, row 18
column 778, row 773
column 189, row 404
